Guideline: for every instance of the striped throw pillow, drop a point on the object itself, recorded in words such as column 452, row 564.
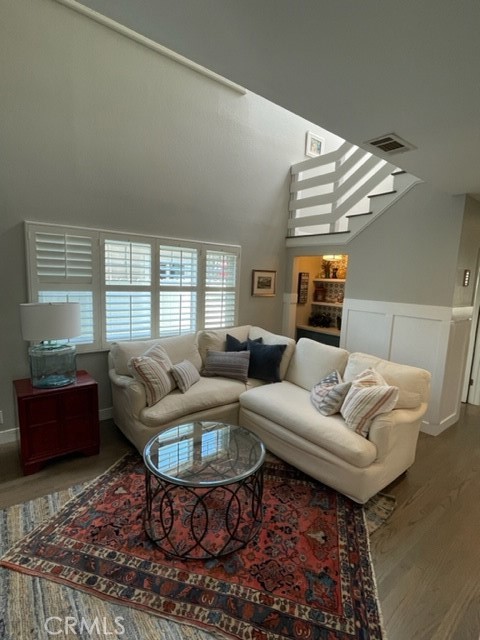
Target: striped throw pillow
column 185, row 375
column 155, row 378
column 368, row 397
column 159, row 354
column 369, row 378
column 228, row 364
column 327, row 396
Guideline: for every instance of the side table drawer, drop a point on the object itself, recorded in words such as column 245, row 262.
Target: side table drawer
column 40, row 428
column 80, row 419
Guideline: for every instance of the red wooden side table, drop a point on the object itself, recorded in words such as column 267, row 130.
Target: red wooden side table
column 54, row 422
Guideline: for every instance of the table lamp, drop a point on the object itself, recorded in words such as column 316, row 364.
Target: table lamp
column 52, row 364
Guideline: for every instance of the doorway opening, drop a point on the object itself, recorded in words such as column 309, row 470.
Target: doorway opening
column 320, row 294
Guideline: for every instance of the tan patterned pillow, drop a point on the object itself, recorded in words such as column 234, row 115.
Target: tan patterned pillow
column 368, row 397
column 185, row 375
column 155, row 378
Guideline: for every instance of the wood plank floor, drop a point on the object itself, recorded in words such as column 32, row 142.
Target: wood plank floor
column 426, row 558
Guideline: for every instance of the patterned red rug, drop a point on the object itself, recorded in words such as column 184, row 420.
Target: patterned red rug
column 307, row 574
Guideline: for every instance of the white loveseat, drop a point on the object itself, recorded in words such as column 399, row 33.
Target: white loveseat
column 322, row 446
column 281, row 413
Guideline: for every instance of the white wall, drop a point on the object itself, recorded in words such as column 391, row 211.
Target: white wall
column 97, row 130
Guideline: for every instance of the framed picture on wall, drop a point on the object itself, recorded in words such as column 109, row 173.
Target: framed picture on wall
column 263, row 283
column 313, row 145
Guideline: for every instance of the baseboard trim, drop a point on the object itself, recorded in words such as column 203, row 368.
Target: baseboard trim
column 105, row 414
column 437, row 429
column 7, row 436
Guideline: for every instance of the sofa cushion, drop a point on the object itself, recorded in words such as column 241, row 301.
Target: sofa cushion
column 207, row 393
column 229, row 364
column 289, row 405
column 312, row 361
column 215, row 340
column 369, row 396
column 273, row 338
column 178, row 348
column 327, row 396
column 185, row 375
column 414, row 383
column 154, row 376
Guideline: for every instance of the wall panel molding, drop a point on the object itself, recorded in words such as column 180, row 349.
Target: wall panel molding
column 431, row 337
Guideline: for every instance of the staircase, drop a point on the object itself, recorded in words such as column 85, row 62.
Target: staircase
column 336, row 195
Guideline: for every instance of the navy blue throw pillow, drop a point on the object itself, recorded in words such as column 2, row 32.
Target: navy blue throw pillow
column 233, row 344
column 265, row 361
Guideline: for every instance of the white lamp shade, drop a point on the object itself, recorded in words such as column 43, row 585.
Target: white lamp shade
column 50, row 320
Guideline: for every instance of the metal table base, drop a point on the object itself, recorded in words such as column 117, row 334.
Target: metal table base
column 201, row 523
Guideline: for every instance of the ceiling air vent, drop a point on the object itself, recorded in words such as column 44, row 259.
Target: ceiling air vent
column 390, row 143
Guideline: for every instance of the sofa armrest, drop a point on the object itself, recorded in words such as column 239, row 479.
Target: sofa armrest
column 132, row 392
column 397, row 428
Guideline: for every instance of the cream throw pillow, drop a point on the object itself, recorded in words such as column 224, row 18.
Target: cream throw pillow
column 185, row 375
column 368, row 397
column 155, row 378
column 158, row 353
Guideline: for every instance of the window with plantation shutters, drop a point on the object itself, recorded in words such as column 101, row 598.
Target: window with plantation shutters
column 178, row 283
column 61, row 269
column 128, row 295
column 129, row 286
column 220, row 289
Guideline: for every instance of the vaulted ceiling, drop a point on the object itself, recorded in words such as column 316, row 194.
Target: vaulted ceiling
column 357, row 68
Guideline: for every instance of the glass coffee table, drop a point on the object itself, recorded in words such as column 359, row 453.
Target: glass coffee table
column 204, row 487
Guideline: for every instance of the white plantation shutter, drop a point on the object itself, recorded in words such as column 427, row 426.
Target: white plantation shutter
column 128, row 315
column 132, row 287
column 220, row 289
column 128, row 263
column 63, row 258
column 128, row 296
column 178, row 284
column 61, row 265
column 85, row 298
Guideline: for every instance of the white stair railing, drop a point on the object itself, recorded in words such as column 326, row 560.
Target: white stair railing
column 325, row 189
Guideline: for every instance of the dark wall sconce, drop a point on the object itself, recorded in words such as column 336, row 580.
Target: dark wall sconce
column 466, row 277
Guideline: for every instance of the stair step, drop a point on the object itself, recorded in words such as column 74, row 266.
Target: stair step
column 357, row 215
column 384, row 193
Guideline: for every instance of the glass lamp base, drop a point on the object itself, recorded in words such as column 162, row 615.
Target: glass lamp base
column 52, row 365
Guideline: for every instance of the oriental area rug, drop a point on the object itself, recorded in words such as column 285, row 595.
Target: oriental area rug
column 307, row 574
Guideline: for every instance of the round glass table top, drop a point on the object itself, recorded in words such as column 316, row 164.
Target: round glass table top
column 204, row 454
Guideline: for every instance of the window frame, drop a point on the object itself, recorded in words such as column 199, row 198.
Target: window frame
column 99, row 288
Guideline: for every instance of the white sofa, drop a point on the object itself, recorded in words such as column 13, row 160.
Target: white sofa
column 281, row 413
column 322, row 446
column 208, row 399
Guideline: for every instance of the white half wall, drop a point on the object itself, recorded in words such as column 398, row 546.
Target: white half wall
column 430, row 337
